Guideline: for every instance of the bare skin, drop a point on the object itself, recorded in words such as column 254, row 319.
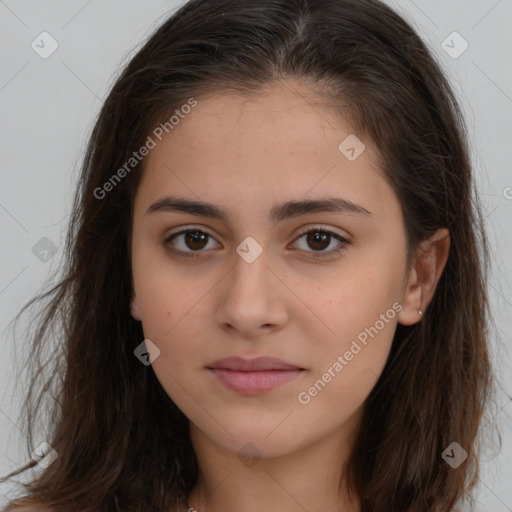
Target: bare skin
column 271, row 451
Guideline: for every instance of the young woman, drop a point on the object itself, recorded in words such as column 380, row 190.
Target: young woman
column 274, row 295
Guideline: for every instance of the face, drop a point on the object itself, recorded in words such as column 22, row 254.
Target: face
column 320, row 289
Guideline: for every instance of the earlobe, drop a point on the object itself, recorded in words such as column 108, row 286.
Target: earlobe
column 134, row 309
column 412, row 302
column 429, row 263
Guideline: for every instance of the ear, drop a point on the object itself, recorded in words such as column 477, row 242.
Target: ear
column 134, row 307
column 426, row 269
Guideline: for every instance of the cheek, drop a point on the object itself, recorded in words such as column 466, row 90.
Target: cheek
column 165, row 295
column 348, row 365
column 361, row 311
column 355, row 300
column 175, row 319
column 168, row 315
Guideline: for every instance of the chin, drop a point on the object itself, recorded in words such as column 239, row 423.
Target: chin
column 262, row 440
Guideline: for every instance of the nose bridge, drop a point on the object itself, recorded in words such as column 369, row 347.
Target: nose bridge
column 249, row 298
column 250, row 264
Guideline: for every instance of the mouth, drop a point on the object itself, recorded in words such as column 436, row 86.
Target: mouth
column 254, row 376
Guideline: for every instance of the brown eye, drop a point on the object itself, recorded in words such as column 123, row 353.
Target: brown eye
column 195, row 240
column 188, row 242
column 318, row 240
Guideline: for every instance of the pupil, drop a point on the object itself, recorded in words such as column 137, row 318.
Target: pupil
column 193, row 237
column 318, row 237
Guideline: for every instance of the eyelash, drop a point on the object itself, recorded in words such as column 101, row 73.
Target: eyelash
column 318, row 255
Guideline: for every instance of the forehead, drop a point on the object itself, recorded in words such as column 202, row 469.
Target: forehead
column 289, row 113
column 280, row 144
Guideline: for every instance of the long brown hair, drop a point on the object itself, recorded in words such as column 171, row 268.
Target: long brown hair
column 122, row 442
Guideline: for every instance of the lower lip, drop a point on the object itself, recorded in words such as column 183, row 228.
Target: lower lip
column 254, row 382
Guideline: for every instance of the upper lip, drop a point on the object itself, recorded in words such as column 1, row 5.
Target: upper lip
column 252, row 365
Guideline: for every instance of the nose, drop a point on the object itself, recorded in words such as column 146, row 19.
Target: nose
column 252, row 300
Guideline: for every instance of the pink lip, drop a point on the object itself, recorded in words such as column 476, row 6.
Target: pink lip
column 253, row 376
column 261, row 363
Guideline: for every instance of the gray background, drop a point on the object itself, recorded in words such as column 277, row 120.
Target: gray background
column 47, row 107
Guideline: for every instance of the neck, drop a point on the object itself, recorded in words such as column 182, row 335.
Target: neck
column 309, row 479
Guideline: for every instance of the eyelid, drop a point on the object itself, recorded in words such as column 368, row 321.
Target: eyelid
column 185, row 229
column 325, row 229
column 342, row 239
column 307, row 229
column 189, row 227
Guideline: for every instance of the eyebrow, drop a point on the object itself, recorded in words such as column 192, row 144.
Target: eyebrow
column 278, row 212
